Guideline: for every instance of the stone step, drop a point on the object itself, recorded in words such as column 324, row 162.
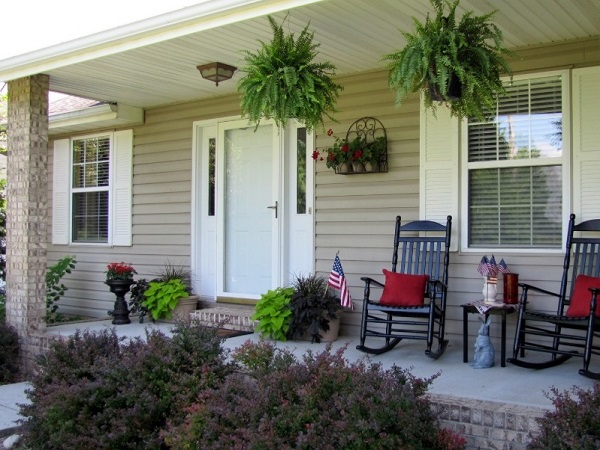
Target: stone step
column 231, row 317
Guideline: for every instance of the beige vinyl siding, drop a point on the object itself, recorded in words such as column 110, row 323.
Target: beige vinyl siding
column 162, row 173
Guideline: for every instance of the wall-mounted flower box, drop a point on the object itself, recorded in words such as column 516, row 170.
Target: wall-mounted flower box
column 364, row 150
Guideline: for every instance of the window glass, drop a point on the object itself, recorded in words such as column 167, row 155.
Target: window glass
column 212, row 149
column 515, row 168
column 301, row 172
column 90, row 209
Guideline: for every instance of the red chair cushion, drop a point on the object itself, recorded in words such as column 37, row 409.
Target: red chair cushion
column 581, row 297
column 403, row 289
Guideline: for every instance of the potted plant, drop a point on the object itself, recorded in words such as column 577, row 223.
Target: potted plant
column 168, row 296
column 273, row 313
column 119, row 278
column 337, row 157
column 315, row 311
column 375, row 154
column 455, row 62
column 282, row 81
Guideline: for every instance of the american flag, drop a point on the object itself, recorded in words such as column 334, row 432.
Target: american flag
column 337, row 280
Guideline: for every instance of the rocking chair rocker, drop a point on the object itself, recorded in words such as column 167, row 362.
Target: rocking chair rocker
column 413, row 301
column 577, row 319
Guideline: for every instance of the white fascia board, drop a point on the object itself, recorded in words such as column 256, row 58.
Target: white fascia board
column 108, row 114
column 185, row 21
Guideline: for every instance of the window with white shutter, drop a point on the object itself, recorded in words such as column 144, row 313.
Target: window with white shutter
column 92, row 189
column 516, row 167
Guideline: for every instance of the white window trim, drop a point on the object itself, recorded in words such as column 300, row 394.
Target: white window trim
column 120, row 190
column 565, row 160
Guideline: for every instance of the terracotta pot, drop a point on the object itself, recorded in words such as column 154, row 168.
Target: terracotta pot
column 330, row 336
column 183, row 309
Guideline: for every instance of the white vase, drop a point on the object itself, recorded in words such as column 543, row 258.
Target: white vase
column 489, row 290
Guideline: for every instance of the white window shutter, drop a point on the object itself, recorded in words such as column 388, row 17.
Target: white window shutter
column 121, row 188
column 586, row 143
column 439, row 168
column 60, row 192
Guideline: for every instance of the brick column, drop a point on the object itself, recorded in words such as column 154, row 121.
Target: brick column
column 27, row 210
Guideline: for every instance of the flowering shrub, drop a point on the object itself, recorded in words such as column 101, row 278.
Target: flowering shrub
column 120, row 271
column 322, row 401
column 574, row 424
column 99, row 391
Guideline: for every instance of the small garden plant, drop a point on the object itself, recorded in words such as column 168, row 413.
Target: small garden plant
column 273, row 313
column 54, row 288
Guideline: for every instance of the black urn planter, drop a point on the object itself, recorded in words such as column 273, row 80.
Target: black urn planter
column 120, row 313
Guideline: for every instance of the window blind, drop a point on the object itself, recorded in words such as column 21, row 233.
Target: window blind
column 515, row 168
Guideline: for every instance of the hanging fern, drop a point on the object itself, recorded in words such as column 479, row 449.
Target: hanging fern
column 282, row 81
column 440, row 49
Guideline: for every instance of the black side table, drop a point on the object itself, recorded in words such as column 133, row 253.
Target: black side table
column 501, row 309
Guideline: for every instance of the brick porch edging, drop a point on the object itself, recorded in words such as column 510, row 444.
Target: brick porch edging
column 486, row 424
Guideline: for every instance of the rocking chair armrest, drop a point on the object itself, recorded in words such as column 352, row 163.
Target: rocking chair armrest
column 526, row 287
column 369, row 281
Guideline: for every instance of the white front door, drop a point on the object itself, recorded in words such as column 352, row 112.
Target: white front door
column 248, row 208
column 253, row 200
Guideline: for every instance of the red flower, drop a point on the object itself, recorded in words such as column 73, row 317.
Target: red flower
column 357, row 154
column 331, row 156
column 315, row 155
column 345, row 148
column 120, row 271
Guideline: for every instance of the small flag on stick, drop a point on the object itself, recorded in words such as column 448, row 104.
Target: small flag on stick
column 337, row 280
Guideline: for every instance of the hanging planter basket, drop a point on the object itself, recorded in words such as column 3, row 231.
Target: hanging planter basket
column 455, row 62
column 283, row 81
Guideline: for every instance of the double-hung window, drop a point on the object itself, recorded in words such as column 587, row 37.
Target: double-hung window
column 90, row 189
column 515, row 165
column 91, row 199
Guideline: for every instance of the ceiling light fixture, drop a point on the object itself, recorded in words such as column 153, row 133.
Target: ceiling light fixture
column 216, row 71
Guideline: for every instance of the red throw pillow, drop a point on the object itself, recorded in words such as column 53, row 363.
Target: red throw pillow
column 403, row 290
column 581, row 297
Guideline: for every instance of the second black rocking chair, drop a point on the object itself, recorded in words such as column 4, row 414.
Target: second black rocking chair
column 570, row 329
column 413, row 300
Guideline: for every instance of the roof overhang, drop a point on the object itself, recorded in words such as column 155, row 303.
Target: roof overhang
column 153, row 62
column 108, row 115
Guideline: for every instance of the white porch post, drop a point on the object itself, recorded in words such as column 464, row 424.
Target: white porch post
column 27, row 210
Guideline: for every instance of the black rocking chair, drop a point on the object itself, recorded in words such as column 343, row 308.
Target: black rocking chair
column 574, row 325
column 423, row 247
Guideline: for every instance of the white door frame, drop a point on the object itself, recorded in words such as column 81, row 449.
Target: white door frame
column 206, row 268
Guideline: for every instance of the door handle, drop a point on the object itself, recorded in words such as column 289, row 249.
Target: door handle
column 274, row 207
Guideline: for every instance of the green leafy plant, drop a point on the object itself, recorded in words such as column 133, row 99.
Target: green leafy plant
column 54, row 288
column 273, row 313
column 313, row 307
column 162, row 297
column 283, row 81
column 443, row 52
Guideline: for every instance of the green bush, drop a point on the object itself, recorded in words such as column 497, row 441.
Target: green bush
column 574, row 424
column 54, row 288
column 322, row 401
column 9, row 354
column 273, row 313
column 99, row 391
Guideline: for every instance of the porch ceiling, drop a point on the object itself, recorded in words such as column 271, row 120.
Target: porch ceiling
column 353, row 34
